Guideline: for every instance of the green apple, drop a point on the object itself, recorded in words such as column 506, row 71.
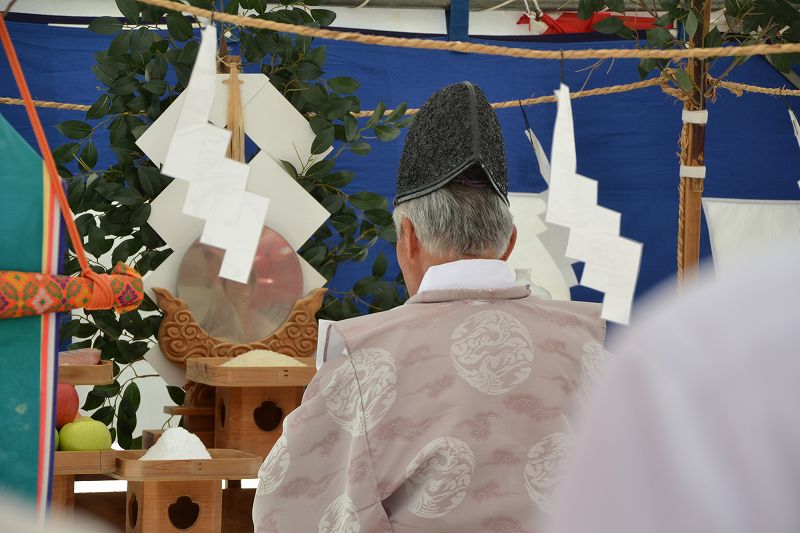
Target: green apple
column 55, row 446
column 85, row 434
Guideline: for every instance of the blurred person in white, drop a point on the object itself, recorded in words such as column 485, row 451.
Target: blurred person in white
column 696, row 425
column 17, row 516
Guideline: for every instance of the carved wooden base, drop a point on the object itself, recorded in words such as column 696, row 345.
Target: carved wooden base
column 181, row 337
column 250, row 419
column 155, row 506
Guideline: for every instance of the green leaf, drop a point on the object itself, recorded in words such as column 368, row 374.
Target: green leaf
column 129, row 9
column 343, row 85
column 386, row 132
column 782, row 62
column 397, row 112
column 659, row 37
column 368, row 200
column 714, row 38
column 377, row 114
column 126, row 416
column 317, row 56
column 74, row 129
column 316, row 255
column 150, row 238
column 125, row 86
column 140, row 215
column 179, row 27
column 379, row 266
column 156, row 68
column 350, row 128
column 105, row 25
column 121, row 44
column 322, row 141
column 316, row 96
column 609, row 25
column 130, row 352
column 141, row 41
column 106, row 391
column 333, row 202
column 308, row 71
column 93, row 401
column 691, row 24
column 381, row 217
column 646, row 66
column 325, row 17
column 104, row 414
column 66, row 153
column 360, row 148
column 88, row 157
column 176, row 394
column 157, row 87
column 616, row 6
column 98, row 244
column 107, row 322
column 100, row 107
column 683, row 80
column 339, row 179
column 367, row 286
column 338, row 109
column 121, row 253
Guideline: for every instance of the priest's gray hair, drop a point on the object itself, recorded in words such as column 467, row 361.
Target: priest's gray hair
column 459, row 220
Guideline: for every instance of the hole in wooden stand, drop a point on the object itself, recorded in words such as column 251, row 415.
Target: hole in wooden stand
column 268, row 416
column 133, row 511
column 183, row 513
column 222, row 413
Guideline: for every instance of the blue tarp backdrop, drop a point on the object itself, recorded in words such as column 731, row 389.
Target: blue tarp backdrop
column 628, row 142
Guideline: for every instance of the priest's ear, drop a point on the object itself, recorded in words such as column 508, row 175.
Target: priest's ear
column 408, row 240
column 511, row 242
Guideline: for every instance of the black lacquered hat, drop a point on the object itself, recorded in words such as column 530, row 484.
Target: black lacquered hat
column 456, row 130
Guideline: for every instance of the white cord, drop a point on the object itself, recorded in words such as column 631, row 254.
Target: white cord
column 362, row 4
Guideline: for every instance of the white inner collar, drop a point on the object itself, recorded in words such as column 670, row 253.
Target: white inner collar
column 468, row 274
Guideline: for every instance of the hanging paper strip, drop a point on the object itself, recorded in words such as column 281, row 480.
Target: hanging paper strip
column 29, row 241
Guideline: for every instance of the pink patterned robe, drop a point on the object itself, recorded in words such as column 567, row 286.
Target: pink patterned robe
column 450, row 414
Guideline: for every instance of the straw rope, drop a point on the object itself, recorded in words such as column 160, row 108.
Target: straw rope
column 740, row 88
column 613, row 89
column 45, row 103
column 477, row 48
column 663, row 81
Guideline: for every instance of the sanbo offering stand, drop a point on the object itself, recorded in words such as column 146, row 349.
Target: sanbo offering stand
column 251, row 402
column 68, row 465
column 179, row 495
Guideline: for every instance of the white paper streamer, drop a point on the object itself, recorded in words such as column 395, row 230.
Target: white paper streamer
column 611, row 262
column 233, row 217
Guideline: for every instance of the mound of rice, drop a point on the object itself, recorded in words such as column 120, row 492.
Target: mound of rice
column 263, row 358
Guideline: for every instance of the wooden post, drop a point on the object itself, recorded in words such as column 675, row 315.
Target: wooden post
column 693, row 153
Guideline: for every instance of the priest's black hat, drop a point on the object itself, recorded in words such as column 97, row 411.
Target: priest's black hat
column 455, row 133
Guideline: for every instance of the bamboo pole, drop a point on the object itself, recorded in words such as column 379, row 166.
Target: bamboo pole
column 693, row 153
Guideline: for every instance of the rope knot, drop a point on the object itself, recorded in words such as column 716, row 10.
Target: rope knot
column 102, row 296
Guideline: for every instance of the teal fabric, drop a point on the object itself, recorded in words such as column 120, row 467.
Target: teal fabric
column 21, row 214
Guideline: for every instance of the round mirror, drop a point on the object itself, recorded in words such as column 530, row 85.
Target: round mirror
column 238, row 312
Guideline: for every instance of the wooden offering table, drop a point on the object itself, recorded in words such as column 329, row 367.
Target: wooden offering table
column 176, row 495
column 251, row 402
column 69, row 464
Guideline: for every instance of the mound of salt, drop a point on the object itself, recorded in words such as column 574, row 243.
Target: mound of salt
column 176, row 443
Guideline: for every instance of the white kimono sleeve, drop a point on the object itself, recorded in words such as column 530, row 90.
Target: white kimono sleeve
column 319, row 475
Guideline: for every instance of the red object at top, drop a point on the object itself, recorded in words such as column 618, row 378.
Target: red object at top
column 571, row 23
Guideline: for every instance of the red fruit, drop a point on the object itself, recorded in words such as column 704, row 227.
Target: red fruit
column 66, row 404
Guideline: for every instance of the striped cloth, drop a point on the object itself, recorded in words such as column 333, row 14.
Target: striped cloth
column 29, row 241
